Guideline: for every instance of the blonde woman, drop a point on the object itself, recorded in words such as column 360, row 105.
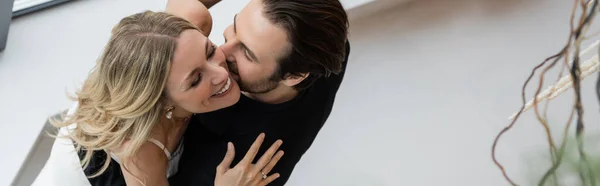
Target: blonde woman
column 155, row 72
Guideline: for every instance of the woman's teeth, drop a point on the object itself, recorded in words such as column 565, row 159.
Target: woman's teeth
column 225, row 88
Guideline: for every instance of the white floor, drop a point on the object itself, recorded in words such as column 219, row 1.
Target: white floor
column 428, row 86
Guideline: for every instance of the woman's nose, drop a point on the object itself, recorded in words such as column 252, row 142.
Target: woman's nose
column 220, row 74
column 217, row 65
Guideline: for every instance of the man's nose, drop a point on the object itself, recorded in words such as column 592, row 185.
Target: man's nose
column 229, row 37
column 228, row 49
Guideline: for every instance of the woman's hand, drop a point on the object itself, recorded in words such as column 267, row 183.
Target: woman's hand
column 245, row 173
column 193, row 11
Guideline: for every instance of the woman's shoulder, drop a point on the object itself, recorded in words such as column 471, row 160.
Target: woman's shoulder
column 148, row 162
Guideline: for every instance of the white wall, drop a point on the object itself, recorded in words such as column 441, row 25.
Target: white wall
column 430, row 84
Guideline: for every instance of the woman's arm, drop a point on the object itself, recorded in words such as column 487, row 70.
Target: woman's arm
column 148, row 167
column 193, row 11
column 209, row 3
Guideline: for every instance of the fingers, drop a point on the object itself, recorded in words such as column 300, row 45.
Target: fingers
column 253, row 150
column 266, row 157
column 269, row 179
column 226, row 163
column 273, row 162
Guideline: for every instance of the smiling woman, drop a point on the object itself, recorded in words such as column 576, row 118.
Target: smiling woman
column 22, row 7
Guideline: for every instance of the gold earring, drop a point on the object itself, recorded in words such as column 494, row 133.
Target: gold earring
column 169, row 114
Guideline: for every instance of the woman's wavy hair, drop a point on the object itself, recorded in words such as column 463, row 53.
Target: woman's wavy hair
column 124, row 97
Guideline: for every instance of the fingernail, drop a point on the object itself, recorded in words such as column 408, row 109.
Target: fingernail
column 230, row 145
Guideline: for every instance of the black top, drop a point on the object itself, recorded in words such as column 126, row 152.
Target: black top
column 297, row 122
column 112, row 175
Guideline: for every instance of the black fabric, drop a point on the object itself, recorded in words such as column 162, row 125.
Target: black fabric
column 296, row 122
column 112, row 176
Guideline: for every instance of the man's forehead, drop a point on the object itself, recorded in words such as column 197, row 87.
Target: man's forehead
column 259, row 34
column 253, row 20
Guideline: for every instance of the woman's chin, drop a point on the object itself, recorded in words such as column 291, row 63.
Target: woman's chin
column 229, row 98
column 234, row 95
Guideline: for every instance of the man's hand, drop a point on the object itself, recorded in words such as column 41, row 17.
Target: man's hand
column 245, row 173
column 193, row 11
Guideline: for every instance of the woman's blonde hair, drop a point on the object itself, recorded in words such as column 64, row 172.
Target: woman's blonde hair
column 124, row 96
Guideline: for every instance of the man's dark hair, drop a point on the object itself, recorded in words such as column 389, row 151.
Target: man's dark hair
column 317, row 31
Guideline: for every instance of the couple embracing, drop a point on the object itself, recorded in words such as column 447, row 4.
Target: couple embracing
column 165, row 106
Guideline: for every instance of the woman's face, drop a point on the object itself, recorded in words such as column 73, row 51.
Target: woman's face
column 199, row 80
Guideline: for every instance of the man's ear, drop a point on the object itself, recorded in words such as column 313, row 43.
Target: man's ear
column 291, row 80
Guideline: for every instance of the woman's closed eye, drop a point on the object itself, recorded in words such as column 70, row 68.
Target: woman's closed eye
column 197, row 80
column 210, row 54
column 211, row 51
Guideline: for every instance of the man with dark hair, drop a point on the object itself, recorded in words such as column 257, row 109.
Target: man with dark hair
column 289, row 58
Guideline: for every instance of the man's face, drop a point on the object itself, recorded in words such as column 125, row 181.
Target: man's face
column 252, row 47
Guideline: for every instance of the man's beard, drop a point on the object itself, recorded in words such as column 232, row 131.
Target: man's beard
column 262, row 86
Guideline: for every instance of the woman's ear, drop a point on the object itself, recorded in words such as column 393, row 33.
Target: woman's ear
column 193, row 11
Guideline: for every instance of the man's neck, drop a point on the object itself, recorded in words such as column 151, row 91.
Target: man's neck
column 279, row 95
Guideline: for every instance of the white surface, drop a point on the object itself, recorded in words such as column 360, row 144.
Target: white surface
column 349, row 4
column 428, row 87
column 51, row 52
column 46, row 53
column 63, row 167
